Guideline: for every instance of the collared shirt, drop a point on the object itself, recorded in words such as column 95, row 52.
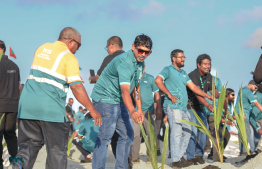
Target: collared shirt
column 107, row 60
column 78, row 116
column 175, row 81
column 89, row 131
column 247, row 99
column 54, row 68
column 256, row 114
column 123, row 69
column 147, row 88
column 206, row 86
column 9, row 85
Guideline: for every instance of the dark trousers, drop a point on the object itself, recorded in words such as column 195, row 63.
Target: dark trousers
column 33, row 134
column 7, row 129
column 210, row 120
column 79, row 146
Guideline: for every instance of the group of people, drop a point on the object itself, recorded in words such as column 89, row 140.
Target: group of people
column 123, row 96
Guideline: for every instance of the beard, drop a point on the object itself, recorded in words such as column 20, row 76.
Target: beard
column 140, row 58
column 180, row 65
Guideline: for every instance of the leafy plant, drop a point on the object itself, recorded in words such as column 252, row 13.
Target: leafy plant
column 218, row 110
column 70, row 144
column 151, row 146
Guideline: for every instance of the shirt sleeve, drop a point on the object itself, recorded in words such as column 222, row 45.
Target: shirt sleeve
column 164, row 73
column 251, row 97
column 81, row 131
column 72, row 70
column 252, row 119
column 124, row 73
column 187, row 78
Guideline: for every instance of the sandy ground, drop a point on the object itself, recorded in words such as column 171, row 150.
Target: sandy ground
column 75, row 156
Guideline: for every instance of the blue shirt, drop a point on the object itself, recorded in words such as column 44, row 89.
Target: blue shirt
column 175, row 81
column 90, row 131
column 123, row 69
column 247, row 99
column 147, row 88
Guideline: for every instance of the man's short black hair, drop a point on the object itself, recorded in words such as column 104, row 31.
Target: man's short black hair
column 115, row 40
column 200, row 58
column 2, row 45
column 175, row 52
column 80, row 108
column 143, row 40
column 70, row 99
column 229, row 91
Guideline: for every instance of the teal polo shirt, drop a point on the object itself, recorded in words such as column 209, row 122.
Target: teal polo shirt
column 247, row 98
column 89, row 131
column 123, row 69
column 219, row 88
column 147, row 88
column 256, row 114
column 175, row 81
column 78, row 116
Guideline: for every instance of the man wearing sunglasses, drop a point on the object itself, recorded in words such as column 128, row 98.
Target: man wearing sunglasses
column 173, row 81
column 248, row 98
column 41, row 113
column 111, row 97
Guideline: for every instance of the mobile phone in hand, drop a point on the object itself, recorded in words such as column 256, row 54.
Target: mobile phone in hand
column 92, row 72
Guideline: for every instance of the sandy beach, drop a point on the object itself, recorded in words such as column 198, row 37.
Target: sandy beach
column 231, row 152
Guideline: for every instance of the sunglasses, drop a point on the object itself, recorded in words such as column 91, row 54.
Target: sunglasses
column 140, row 51
column 79, row 44
column 232, row 94
column 256, row 87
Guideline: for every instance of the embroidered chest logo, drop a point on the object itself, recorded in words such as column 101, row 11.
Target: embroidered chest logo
column 45, row 54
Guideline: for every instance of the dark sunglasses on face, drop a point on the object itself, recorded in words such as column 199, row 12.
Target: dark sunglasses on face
column 256, row 87
column 140, row 51
column 79, row 44
column 232, row 94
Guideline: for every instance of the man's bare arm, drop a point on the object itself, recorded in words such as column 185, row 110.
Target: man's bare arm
column 125, row 91
column 80, row 94
column 158, row 107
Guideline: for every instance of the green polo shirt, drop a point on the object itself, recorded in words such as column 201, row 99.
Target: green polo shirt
column 147, row 88
column 123, row 69
column 256, row 114
column 89, row 131
column 175, row 81
column 247, row 98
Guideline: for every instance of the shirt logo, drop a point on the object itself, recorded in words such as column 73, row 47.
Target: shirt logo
column 184, row 75
column 11, row 71
column 145, row 81
column 45, row 54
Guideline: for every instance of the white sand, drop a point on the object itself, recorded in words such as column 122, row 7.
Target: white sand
column 74, row 163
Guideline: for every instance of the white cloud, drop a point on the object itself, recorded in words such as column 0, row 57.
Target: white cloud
column 153, row 8
column 254, row 14
column 255, row 40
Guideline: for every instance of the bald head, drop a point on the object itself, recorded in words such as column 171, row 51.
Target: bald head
column 69, row 33
column 116, row 41
column 71, row 37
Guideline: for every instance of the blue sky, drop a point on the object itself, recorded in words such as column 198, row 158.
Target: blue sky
column 229, row 31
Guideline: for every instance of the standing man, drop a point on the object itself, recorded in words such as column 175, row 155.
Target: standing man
column 53, row 71
column 203, row 79
column 147, row 87
column 70, row 114
column 111, row 96
column 114, row 48
column 173, row 81
column 9, row 96
column 248, row 98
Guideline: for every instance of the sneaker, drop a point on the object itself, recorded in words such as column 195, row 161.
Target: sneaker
column 86, row 160
column 200, row 159
column 187, row 162
column 158, row 153
column 177, row 165
column 210, row 156
column 136, row 160
column 194, row 161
